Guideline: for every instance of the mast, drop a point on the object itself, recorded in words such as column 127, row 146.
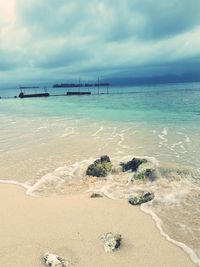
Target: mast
column 79, row 81
column 98, row 85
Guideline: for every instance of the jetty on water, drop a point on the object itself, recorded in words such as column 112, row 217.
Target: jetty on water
column 46, row 94
column 22, row 95
column 78, row 92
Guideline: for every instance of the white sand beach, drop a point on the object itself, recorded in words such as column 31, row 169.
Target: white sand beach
column 71, row 227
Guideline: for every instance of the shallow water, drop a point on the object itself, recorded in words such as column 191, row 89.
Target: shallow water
column 47, row 144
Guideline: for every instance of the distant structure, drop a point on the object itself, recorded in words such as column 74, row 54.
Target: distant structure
column 78, row 93
column 72, row 85
column 22, row 94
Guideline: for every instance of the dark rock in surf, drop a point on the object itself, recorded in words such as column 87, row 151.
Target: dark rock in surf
column 105, row 158
column 145, row 171
column 100, row 168
column 132, row 165
column 144, row 174
column 140, row 198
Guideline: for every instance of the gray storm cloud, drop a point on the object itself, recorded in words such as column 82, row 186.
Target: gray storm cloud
column 60, row 37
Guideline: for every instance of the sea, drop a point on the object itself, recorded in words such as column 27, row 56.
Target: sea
column 47, row 143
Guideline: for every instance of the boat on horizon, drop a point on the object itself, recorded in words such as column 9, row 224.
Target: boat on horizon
column 78, row 93
column 23, row 95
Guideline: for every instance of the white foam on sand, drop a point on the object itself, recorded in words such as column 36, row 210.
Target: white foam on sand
column 189, row 251
column 15, row 183
column 162, row 137
column 98, row 131
column 58, row 181
column 68, row 131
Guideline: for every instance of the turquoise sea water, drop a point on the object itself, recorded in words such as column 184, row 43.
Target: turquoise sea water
column 46, row 144
column 173, row 108
column 169, row 103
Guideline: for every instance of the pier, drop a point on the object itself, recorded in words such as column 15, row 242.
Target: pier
column 22, row 95
column 80, row 90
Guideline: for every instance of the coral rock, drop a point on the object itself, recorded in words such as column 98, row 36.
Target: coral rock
column 140, row 198
column 53, row 260
column 100, row 168
column 111, row 241
column 145, row 171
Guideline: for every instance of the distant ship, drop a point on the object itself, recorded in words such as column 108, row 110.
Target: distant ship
column 22, row 95
column 78, row 93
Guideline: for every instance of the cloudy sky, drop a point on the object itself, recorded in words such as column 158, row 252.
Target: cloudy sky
column 52, row 40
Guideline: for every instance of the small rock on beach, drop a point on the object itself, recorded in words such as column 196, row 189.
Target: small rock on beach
column 140, row 198
column 111, row 241
column 53, row 260
column 96, row 195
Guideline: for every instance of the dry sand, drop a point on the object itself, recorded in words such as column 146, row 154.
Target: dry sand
column 71, row 226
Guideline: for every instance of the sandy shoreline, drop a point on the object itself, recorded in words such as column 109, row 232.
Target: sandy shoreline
column 71, row 226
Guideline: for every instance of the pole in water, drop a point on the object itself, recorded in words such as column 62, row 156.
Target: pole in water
column 20, row 88
column 98, row 85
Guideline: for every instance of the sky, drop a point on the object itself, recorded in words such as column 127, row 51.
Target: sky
column 117, row 40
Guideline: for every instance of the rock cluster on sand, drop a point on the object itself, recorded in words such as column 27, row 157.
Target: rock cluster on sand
column 140, row 198
column 111, row 241
column 53, row 260
column 142, row 167
column 100, row 168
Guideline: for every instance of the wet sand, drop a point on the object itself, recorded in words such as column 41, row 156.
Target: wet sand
column 71, row 226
